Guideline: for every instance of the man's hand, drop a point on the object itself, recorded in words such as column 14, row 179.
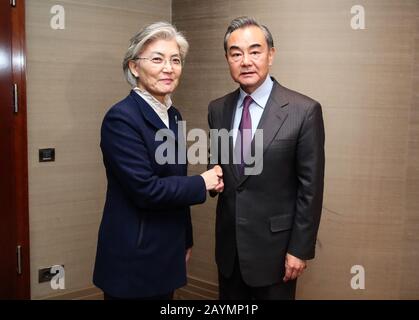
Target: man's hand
column 188, row 254
column 294, row 267
column 220, row 186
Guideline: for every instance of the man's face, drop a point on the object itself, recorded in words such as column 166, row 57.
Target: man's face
column 249, row 57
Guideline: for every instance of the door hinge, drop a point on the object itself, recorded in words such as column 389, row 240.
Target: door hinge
column 13, row 3
column 15, row 98
column 19, row 259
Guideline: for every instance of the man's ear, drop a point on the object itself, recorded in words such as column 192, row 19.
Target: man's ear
column 271, row 55
column 133, row 68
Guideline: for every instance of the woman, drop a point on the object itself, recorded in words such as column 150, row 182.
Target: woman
column 145, row 236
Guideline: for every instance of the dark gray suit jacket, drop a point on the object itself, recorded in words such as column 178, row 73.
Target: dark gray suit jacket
column 278, row 211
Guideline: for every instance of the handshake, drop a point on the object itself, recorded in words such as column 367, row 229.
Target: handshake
column 214, row 179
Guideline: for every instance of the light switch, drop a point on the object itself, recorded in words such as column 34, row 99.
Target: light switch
column 46, row 155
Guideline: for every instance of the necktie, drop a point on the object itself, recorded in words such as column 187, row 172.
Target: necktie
column 245, row 130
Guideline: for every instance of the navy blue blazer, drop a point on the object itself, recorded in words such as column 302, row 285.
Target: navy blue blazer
column 146, row 224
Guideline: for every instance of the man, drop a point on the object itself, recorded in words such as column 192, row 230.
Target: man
column 266, row 224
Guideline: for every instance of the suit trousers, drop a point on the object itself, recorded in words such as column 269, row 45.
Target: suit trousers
column 234, row 288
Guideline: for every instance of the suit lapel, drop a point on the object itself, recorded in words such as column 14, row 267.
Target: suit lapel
column 173, row 122
column 273, row 117
column 229, row 109
column 228, row 121
column 149, row 114
column 152, row 118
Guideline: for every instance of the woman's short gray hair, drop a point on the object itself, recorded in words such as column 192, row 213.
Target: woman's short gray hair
column 243, row 22
column 154, row 31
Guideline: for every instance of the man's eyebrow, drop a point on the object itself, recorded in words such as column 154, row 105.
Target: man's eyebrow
column 255, row 45
column 252, row 46
column 234, row 48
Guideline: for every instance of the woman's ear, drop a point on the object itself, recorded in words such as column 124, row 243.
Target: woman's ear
column 133, row 68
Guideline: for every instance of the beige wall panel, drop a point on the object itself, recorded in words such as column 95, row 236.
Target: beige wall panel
column 410, row 257
column 74, row 76
column 367, row 82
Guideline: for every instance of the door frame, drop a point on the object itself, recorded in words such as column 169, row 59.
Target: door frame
column 19, row 153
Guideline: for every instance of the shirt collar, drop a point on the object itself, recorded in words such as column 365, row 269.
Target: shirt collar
column 260, row 96
column 151, row 99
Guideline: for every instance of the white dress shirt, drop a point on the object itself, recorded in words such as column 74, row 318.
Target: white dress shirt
column 260, row 97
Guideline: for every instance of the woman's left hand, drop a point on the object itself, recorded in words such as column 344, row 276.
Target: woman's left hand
column 188, row 254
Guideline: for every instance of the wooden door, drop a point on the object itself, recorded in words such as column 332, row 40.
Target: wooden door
column 14, row 225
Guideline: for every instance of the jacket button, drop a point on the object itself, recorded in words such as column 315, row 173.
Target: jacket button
column 240, row 189
column 241, row 221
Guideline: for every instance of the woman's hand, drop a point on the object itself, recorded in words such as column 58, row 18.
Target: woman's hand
column 214, row 179
column 188, row 254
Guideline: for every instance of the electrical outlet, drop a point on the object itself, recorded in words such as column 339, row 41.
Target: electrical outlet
column 45, row 275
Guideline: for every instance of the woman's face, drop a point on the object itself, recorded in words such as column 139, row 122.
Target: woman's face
column 158, row 68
